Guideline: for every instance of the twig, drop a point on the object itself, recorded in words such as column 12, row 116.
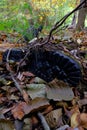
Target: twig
column 23, row 60
column 60, row 22
column 31, row 45
column 43, row 121
column 11, row 73
column 16, row 83
column 19, row 124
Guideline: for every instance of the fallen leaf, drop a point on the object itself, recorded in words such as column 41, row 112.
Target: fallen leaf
column 59, row 91
column 53, row 118
column 64, row 127
column 25, row 97
column 20, row 76
column 34, row 120
column 36, row 90
column 82, row 102
column 22, row 108
column 14, row 97
column 27, row 124
column 17, row 111
column 47, row 110
column 79, row 41
column 4, row 111
column 38, row 80
column 29, row 74
column 83, row 119
column 3, row 81
column 75, row 120
column 36, row 105
column 3, row 98
column 6, row 124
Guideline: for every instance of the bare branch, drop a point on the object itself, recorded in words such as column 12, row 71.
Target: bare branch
column 11, row 73
column 43, row 121
column 61, row 21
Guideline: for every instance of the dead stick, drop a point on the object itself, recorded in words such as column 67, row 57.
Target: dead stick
column 11, row 73
column 43, row 121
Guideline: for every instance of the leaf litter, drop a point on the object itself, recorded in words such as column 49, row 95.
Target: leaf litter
column 41, row 105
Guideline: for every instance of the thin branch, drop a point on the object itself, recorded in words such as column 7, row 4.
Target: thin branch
column 43, row 121
column 11, row 73
column 31, row 45
column 60, row 22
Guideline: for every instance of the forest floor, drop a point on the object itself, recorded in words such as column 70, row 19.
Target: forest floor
column 27, row 102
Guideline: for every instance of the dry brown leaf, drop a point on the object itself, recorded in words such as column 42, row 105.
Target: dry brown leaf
column 22, row 108
column 34, row 120
column 5, row 46
column 17, row 111
column 47, row 110
column 13, row 97
column 79, row 41
column 59, row 90
column 74, row 116
column 69, row 128
column 36, row 105
column 60, row 93
column 53, row 118
column 65, row 127
column 74, row 120
column 27, row 124
column 29, row 74
column 3, row 98
column 38, row 80
column 3, row 36
column 25, row 97
column 0, row 56
column 82, row 102
column 83, row 119
column 4, row 111
column 79, row 119
column 20, row 76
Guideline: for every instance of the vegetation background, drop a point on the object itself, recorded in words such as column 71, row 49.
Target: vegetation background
column 15, row 14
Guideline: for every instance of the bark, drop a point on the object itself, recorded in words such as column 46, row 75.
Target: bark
column 75, row 16
column 73, row 23
column 74, row 19
column 81, row 18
